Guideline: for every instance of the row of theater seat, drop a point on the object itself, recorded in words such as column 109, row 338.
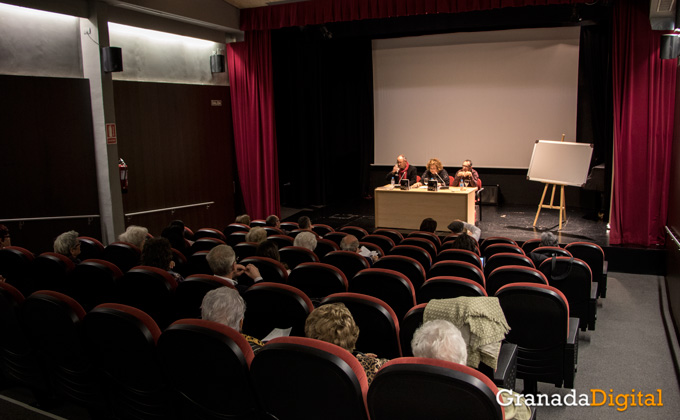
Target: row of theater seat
column 106, row 359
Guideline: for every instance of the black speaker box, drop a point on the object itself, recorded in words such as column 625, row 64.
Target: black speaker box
column 490, row 195
column 217, row 63
column 112, row 59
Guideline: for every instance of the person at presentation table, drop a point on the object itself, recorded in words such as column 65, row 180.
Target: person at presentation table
column 403, row 170
column 436, row 172
column 468, row 175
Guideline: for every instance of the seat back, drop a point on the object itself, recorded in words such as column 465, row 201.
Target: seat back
column 151, row 290
column 209, row 233
column 307, row 371
column 457, row 269
column 208, row 364
column 508, row 274
column 93, row 282
column 189, row 294
column 459, row 255
column 198, row 264
column 258, row 223
column 49, row 271
column 573, row 278
column 495, row 240
column 90, row 248
column 377, row 322
column 321, row 229
column 318, row 280
column 295, row 255
column 417, row 253
column 288, row 226
column 123, row 255
column 205, row 243
column 271, row 230
column 498, row 248
column 426, row 235
column 408, row 326
column 427, row 244
column 395, row 235
column 357, row 231
column 405, row 265
column 390, row 286
column 446, row 287
column 15, row 268
column 592, row 254
column 281, row 240
column 245, row 250
column 324, row 246
column 275, row 305
column 234, row 227
column 271, row 270
column 530, row 245
column 506, row 258
column 123, row 341
column 335, row 236
column 549, row 251
column 236, row 237
column 413, row 387
column 348, row 262
column 384, row 242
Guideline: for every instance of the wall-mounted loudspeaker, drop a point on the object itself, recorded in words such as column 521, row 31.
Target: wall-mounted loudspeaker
column 670, row 46
column 217, row 63
column 112, row 59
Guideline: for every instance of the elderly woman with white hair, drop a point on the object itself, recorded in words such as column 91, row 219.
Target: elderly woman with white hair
column 225, row 306
column 306, row 240
column 67, row 244
column 135, row 235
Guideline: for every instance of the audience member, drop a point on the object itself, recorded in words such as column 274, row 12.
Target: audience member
column 465, row 241
column 135, row 235
column 273, row 221
column 186, row 232
column 428, row 225
column 547, row 239
column 351, row 243
column 256, row 234
column 5, row 239
column 467, row 175
column 157, row 253
column 175, row 234
column 222, row 262
column 305, row 240
column 243, row 219
column 305, row 222
column 67, row 244
column 225, row 306
column 333, row 323
column 403, row 170
column 440, row 339
column 458, row 226
column 269, row 249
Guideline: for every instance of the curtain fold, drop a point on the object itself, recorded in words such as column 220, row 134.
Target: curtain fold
column 250, row 75
column 323, row 11
column 644, row 105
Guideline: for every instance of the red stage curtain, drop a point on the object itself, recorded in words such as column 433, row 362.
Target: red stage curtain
column 250, row 76
column 322, row 11
column 644, row 103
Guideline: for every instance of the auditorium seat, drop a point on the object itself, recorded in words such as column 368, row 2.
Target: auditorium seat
column 275, row 305
column 49, row 271
column 550, row 251
column 197, row 264
column 495, row 240
column 189, row 294
column 508, row 274
column 288, row 226
column 380, row 252
column 235, row 227
column 258, row 223
column 335, row 236
column 546, row 336
column 324, row 246
column 90, row 248
column 384, row 242
column 151, row 290
column 457, row 269
column 209, row 233
column 530, row 245
column 300, row 378
column 393, row 234
column 348, row 262
column 205, row 243
column 506, row 258
column 207, row 364
column 390, row 286
column 501, row 248
column 413, row 388
column 417, row 253
column 459, row 255
column 447, row 287
column 93, row 282
column 593, row 255
column 123, row 255
column 245, row 250
column 321, row 229
column 273, row 231
column 405, row 265
column 15, row 268
column 427, row 244
column 281, row 240
column 236, row 237
column 271, row 270
column 180, row 261
column 427, row 235
column 123, row 345
column 357, row 231
column 318, row 280
column 377, row 322
column 408, row 325
column 295, row 255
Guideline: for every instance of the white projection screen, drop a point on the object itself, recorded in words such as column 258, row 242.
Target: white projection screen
column 483, row 96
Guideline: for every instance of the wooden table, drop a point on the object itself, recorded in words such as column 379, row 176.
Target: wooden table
column 406, row 209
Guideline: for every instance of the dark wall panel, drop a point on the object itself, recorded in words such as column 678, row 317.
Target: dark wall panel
column 180, row 151
column 673, row 222
column 47, row 158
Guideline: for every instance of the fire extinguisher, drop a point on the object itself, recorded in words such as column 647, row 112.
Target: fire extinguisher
column 123, row 170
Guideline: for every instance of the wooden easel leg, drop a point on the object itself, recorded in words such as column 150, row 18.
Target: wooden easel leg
column 563, row 209
column 540, row 205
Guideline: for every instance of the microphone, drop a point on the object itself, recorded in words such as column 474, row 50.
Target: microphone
column 444, row 186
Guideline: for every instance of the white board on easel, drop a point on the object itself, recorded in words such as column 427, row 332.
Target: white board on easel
column 560, row 162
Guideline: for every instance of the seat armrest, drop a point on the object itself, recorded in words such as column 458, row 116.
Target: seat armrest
column 593, row 290
column 506, row 368
column 605, row 268
column 571, row 353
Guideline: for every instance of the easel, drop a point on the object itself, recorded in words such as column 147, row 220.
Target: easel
column 561, row 207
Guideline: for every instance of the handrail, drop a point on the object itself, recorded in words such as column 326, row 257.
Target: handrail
column 32, row 219
column 673, row 237
column 207, row 203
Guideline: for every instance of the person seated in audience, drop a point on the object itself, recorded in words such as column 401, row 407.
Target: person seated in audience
column 243, row 219
column 157, row 253
column 256, row 234
column 465, row 241
column 440, row 339
column 135, row 235
column 224, row 305
column 467, row 175
column 175, row 234
column 273, row 221
column 547, row 239
column 306, row 240
column 222, row 262
column 458, row 226
column 351, row 243
column 305, row 222
column 67, row 244
column 269, row 249
column 5, row 239
column 403, row 170
column 428, row 225
column 333, row 323
column 435, row 171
